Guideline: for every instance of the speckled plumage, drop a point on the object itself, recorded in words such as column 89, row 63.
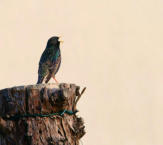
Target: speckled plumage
column 50, row 61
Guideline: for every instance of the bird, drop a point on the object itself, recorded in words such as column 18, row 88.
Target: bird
column 50, row 61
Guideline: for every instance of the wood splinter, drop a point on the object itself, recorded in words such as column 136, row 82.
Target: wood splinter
column 79, row 96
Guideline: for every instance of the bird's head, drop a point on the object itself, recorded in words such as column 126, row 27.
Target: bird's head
column 54, row 41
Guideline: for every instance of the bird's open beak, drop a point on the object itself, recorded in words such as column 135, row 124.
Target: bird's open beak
column 60, row 40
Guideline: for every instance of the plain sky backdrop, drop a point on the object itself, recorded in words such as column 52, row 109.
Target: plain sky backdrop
column 113, row 47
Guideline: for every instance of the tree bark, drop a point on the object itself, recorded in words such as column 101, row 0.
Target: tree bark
column 43, row 114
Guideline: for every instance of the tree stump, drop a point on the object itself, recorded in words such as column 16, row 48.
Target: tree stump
column 43, row 114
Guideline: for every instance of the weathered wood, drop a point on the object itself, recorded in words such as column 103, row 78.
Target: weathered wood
column 16, row 129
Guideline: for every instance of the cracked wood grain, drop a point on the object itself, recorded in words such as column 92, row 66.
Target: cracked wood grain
column 40, row 99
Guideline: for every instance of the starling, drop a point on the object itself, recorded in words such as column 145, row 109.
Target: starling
column 50, row 61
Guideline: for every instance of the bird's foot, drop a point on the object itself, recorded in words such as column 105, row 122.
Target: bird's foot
column 55, row 80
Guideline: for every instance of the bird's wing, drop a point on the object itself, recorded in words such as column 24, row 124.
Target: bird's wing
column 43, row 71
column 43, row 66
column 44, row 57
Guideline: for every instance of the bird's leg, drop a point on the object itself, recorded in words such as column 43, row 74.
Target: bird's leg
column 55, row 79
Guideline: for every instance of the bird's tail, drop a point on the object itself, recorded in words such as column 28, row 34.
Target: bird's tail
column 38, row 82
column 40, row 79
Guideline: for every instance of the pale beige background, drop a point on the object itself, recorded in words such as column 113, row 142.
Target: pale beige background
column 114, row 47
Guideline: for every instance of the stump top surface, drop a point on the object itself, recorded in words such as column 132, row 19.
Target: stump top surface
column 40, row 86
